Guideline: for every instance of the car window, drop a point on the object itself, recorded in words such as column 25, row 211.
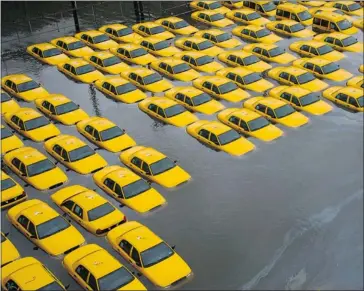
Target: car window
column 261, row 108
column 10, row 285
column 161, row 112
column 353, row 102
column 135, row 256
column 207, row 85
column 65, row 156
column 244, row 126
column 180, row 96
column 286, row 96
column 232, row 58
column 295, row 101
column 22, row 169
column 153, row 107
column 204, row 133
column 214, row 139
column 16, row 163
column 92, row 282
column 318, row 70
column 308, row 66
column 68, row 204
column 31, row 229
column 284, row 75
column 126, row 246
column 109, row 183
column 23, row 221
column 78, row 211
column 188, row 101
column 137, row 162
column 343, row 97
column 313, row 51
column 82, row 272
column 270, row 112
column 57, row 149
column 305, row 48
column 89, row 129
column 234, row 119
column 293, row 79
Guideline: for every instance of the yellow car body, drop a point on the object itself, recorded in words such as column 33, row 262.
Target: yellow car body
column 103, row 271
column 249, row 123
column 301, row 99
column 220, row 137
column 295, row 12
column 134, row 54
column 120, row 32
column 177, row 25
column 154, row 166
column 359, row 23
column 247, row 17
column 327, row 21
column 9, row 253
column 356, row 82
column 220, row 88
column 158, row 47
column 34, row 168
column 317, row 10
column 175, row 68
column 244, row 59
column 61, row 109
column 80, row 70
column 128, row 189
column 152, row 29
column 167, row 111
column 23, row 87
column 341, row 42
column 29, row 274
column 270, row 53
column 72, row 46
column 214, row 6
column 105, row 134
column 297, row 76
column 290, row 28
column 147, row 80
column 9, row 141
column 198, row 44
column 264, row 8
column 106, row 62
column 211, row 17
column 194, row 100
column 47, row 53
column 246, row 79
column 11, row 192
column 199, row 61
column 322, row 68
column 220, row 38
column 89, row 209
column 276, row 111
column 255, row 33
column 74, row 154
column 349, row 97
column 348, row 7
column 166, row 269
column 7, row 103
column 31, row 124
column 311, row 3
column 96, row 40
column 361, row 69
column 232, row 4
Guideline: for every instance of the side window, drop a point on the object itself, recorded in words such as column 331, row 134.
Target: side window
column 109, row 183
column 113, row 90
column 234, row 119
column 92, row 282
column 253, row 34
column 73, row 71
column 23, row 221
column 145, row 168
column 163, row 66
column 82, row 272
column 45, row 104
column 127, row 54
column 353, row 102
column 118, row 190
column 286, row 14
column 65, row 46
column 305, row 48
column 133, row 76
column 279, row 26
column 189, row 101
column 151, row 47
column 215, row 89
column 265, row 53
column 338, row 42
column 318, row 70
column 231, row 76
column 169, row 69
column 338, row 5
column 284, row 75
column 204, row 133
column 121, row 51
column 279, row 12
column 329, row 39
column 89, row 129
column 68, row 204
column 295, row 17
column 293, row 79
column 57, row 149
column 139, row 80
column 31, row 229
column 214, row 139
column 21, row 124
column 186, row 58
column 135, row 257
column 60, row 43
column 257, row 50
column 15, row 119
column 313, row 51
column 261, row 108
column 12, row 286
column 180, row 97
column 93, row 59
column 52, row 109
column 207, row 85
column 106, row 86
column 316, row 21
column 16, row 163
column 270, row 112
column 13, row 86
column 286, row 96
column 137, row 162
column 195, row 47
column 296, row 101
column 161, row 112
column 193, row 62
column 231, row 58
column 287, row 29
column 342, row 97
column 84, row 37
column 308, row 66
column 244, row 126
column 65, row 156
column 8, row 83
column 188, row 43
column 345, row 8
column 153, row 107
column 324, row 23
column 78, row 211
column 97, row 135
column 126, row 246
column 22, row 168
column 99, row 62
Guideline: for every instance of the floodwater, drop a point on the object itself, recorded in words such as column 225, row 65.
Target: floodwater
column 288, row 215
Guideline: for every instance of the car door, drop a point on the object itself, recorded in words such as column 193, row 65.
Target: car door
column 73, row 71
column 170, row 71
column 113, row 91
column 81, row 275
column 318, row 71
column 207, row 86
column 353, row 103
column 45, row 107
column 145, row 169
column 295, row 102
column 15, row 166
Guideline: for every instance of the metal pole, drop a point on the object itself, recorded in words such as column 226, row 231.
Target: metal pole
column 140, row 3
column 75, row 16
column 136, row 11
column 121, row 9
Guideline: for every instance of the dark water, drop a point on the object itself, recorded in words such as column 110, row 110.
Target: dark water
column 288, row 215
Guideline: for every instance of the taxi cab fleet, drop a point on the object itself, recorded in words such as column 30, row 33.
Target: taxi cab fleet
column 11, row 192
column 349, row 97
column 219, row 38
column 198, row 44
column 341, row 42
column 215, row 6
column 255, row 33
column 158, row 47
column 247, row 17
column 289, row 28
column 152, row 29
column 315, row 48
column 199, row 61
column 47, row 53
column 296, row 12
column 265, row 8
column 211, row 17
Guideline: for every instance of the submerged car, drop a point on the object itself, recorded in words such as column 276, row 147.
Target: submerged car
column 247, row 17
column 198, row 44
column 7, row 103
column 199, row 61
column 152, row 29
column 356, row 82
column 290, row 28
column 348, row 7
column 158, row 47
column 211, row 18
column 341, row 42
column 349, row 97
column 11, row 192
column 255, row 33
column 209, row 5
column 315, row 48
column 96, row 39
column 106, row 62
column 270, row 53
column 120, row 32
column 9, row 253
column 72, row 46
column 219, row 37
column 9, row 141
column 47, row 53
column 133, row 53
column 177, row 25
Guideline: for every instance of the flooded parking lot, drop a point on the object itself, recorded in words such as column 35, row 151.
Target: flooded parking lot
column 288, row 215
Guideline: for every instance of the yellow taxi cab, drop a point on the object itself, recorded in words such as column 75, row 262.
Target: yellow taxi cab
column 341, row 41
column 29, row 274
column 211, row 17
column 356, row 82
column 249, row 123
column 244, row 59
column 167, row 110
column 120, row 32
column 349, row 97
column 11, row 192
column 177, row 25
column 35, row 168
column 296, row 76
column 31, row 124
column 198, row 44
column 220, row 137
column 105, row 134
column 106, row 62
column 134, row 54
column 152, row 29
column 96, row 40
column 218, row 37
column 323, row 69
column 315, row 48
column 128, row 189
column 301, row 99
column 80, row 70
column 9, row 141
column 23, row 87
column 47, row 53
column 348, row 7
column 158, row 47
column 220, row 88
column 9, row 253
column 136, row 242
column 45, row 228
column 289, row 28
column 88, row 209
column 120, row 90
column 361, row 69
column 246, row 79
column 215, row 6
column 147, row 80
column 7, row 103
column 74, row 154
column 359, row 23
column 277, row 111
column 247, row 17
column 199, row 61
column 296, row 12
column 311, row 3
column 256, row 34
column 61, row 109
column 194, row 100
column 175, row 68
column 265, row 8
column 317, row 10
column 72, row 46
column 154, row 166
column 332, row 22
column 270, row 53
column 94, row 268
column 232, row 4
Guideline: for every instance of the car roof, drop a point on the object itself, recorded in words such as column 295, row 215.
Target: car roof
column 216, row 127
column 142, row 238
column 67, row 39
column 115, row 26
column 25, row 113
column 130, row 46
column 293, row 70
column 213, row 31
column 351, row 91
column 77, row 62
column 216, row 80
column 296, row 91
column 69, row 142
column 152, row 39
column 88, row 200
column 319, row 61
column 100, row 123
column 102, row 55
column 116, row 81
column 143, row 72
column 272, row 102
column 57, row 99
column 43, row 46
column 162, row 102
column 18, row 78
column 210, row 12
column 245, row 114
column 149, row 155
column 92, row 33
column 39, row 213
column 172, row 19
column 27, row 155
column 190, row 91
column 288, row 22
column 291, row 6
column 330, row 15
column 123, row 176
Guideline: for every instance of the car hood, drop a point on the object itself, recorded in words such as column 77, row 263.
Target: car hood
column 48, row 179
column 73, row 117
column 210, row 107
column 8, row 252
column 44, row 132
column 34, row 94
column 268, row 133
column 315, row 85
column 235, row 96
column 89, row 164
column 183, row 119
column 159, row 86
column 91, row 77
column 164, row 35
column 307, row 22
column 132, row 97
column 11, row 143
column 145, row 201
column 172, row 177
column 108, row 220
column 9, row 106
column 339, row 75
column 119, row 143
column 295, row 119
column 318, row 108
column 11, row 193
column 351, row 30
column 238, row 147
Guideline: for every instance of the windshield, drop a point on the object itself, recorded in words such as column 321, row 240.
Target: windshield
column 227, row 87
column 309, row 99
column 180, row 24
column 216, row 17
column 251, row 78
column 201, row 99
column 305, row 78
column 204, row 60
column 30, row 85
column 157, row 29
column 51, row 227
column 276, row 52
column 75, row 45
column 152, row 79
column 111, row 61
column 116, row 279
column 304, row 15
column 325, row 49
column 126, row 88
column 5, row 133
column 223, row 37
column 253, row 16
column 52, row 286
column 181, row 68
column 156, row 254
column 263, row 32
column 269, row 7
column 297, row 27
column 40, row 167
column 344, row 24
column 161, row 45
column 111, row 133
column 349, row 41
column 215, row 5
column 251, row 60
column 205, row 45
column 138, row 53
column 284, row 110
column 258, row 123
column 100, row 211
column 6, row 184
column 174, row 110
column 100, row 38
column 85, row 69
column 5, row 97
column 36, row 123
column 66, row 108
column 354, row 6
column 162, row 166
column 135, row 188
column 80, row 153
column 329, row 68
column 124, row 31
column 228, row 137
column 361, row 101
column 51, row 53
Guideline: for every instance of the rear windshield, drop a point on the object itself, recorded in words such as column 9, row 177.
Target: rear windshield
column 228, row 137
column 253, row 16
column 161, row 45
column 156, row 254
column 75, row 45
column 36, row 123
column 330, row 68
column 135, row 188
column 215, row 5
column 251, row 60
column 349, row 41
column 277, row 51
column 174, row 110
column 138, row 53
column 263, row 32
column 204, row 60
column 354, row 6
column 181, row 68
column 100, row 38
column 51, row 53
column 344, row 24
column 251, row 78
column 85, row 69
column 111, row 133
column 227, row 87
column 80, row 153
column 5, row 133
column 325, row 49
column 304, row 15
column 30, row 85
column 216, row 17
column 305, row 78
column 100, row 211
column 157, row 29
column 269, row 7
column 6, row 184
column 258, row 123
column 123, row 89
column 5, row 97
column 284, row 110
column 201, row 99
column 116, row 279
column 40, row 167
column 309, row 99
column 111, row 61
column 124, row 31
column 205, row 45
column 52, row 227
column 66, row 108
column 162, row 166
column 223, row 37
column 150, row 79
column 297, row 27
column 52, row 286
column 180, row 24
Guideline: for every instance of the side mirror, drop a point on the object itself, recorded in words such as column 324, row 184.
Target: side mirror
column 173, row 247
column 175, row 161
column 78, row 105
column 121, row 205
column 6, row 234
